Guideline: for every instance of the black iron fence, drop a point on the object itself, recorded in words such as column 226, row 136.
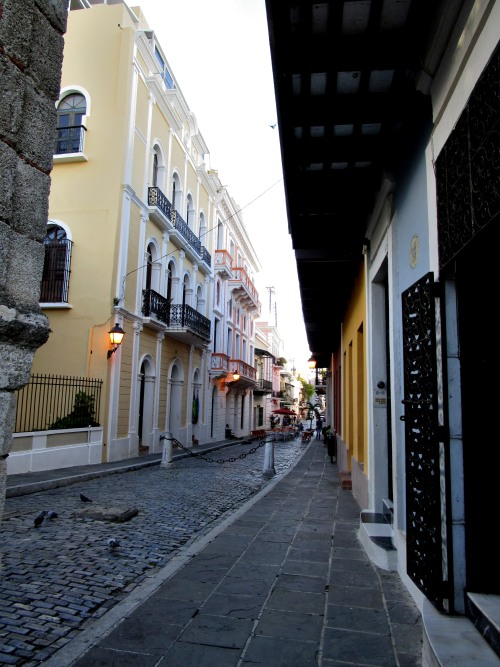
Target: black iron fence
column 54, row 401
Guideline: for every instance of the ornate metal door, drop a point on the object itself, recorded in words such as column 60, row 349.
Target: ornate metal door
column 426, row 444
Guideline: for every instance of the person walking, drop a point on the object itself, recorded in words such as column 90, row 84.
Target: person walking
column 331, row 445
column 318, row 429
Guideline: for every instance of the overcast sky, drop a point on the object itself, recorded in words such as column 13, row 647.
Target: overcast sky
column 219, row 55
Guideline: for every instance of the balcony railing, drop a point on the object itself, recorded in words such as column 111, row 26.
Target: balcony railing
column 223, row 263
column 182, row 227
column 245, row 290
column 158, row 199
column 219, row 363
column 177, row 316
column 206, row 256
column 70, row 139
column 264, row 387
column 244, row 369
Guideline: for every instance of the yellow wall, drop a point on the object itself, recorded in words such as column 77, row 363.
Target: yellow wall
column 354, row 375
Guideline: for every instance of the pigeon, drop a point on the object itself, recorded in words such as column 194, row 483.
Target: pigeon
column 113, row 543
column 39, row 519
column 84, row 499
column 51, row 515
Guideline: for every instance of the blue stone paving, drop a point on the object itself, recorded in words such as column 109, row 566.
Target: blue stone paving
column 56, row 577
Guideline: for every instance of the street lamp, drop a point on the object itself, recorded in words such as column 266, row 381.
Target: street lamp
column 115, row 338
column 236, row 377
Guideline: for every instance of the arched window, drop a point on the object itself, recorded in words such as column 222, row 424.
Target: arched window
column 149, row 265
column 155, row 170
column 202, row 232
column 54, row 287
column 189, row 211
column 220, row 236
column 199, row 299
column 70, row 128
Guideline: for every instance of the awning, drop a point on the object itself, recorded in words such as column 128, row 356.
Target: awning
column 263, row 353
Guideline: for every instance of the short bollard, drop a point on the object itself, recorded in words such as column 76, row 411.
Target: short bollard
column 166, row 458
column 269, row 470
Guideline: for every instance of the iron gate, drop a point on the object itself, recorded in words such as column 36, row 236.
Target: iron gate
column 426, row 443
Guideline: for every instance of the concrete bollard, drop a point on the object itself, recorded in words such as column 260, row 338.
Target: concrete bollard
column 166, row 458
column 269, row 470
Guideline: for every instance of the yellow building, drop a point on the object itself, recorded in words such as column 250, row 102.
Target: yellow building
column 143, row 238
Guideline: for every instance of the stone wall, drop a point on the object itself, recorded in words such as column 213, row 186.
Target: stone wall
column 31, row 53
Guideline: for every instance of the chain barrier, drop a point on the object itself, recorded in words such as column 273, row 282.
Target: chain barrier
column 208, row 459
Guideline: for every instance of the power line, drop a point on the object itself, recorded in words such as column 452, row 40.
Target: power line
column 204, row 234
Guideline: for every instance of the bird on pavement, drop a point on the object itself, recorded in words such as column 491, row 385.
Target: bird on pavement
column 113, row 543
column 51, row 515
column 39, row 519
column 84, row 499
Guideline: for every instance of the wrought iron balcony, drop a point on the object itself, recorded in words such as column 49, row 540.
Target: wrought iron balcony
column 206, row 256
column 70, row 139
column 178, row 318
column 263, row 387
column 159, row 200
column 182, row 227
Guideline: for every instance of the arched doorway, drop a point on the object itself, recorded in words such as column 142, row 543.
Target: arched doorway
column 146, row 403
column 175, row 381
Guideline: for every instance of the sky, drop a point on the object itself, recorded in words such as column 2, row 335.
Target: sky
column 219, row 54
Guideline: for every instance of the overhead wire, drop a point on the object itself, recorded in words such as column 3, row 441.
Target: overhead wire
column 168, row 254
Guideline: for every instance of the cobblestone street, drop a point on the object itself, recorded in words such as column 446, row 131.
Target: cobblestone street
column 57, row 576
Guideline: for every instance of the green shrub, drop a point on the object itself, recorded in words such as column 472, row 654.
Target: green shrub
column 81, row 416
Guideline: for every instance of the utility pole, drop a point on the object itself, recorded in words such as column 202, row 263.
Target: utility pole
column 271, row 291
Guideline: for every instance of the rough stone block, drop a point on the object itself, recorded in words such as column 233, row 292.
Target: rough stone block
column 15, row 29
column 56, row 12
column 46, row 71
column 7, row 417
column 15, row 362
column 28, row 329
column 5, row 242
column 38, row 131
column 8, row 164
column 30, row 213
column 12, row 88
column 25, row 267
